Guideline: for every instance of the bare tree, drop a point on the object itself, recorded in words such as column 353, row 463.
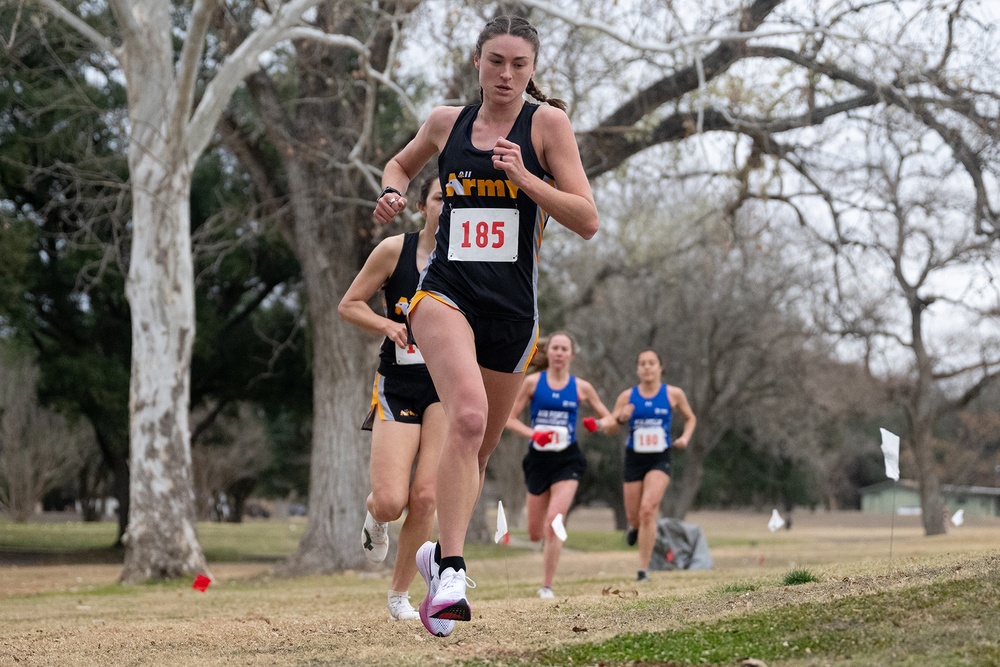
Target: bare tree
column 786, row 87
column 230, row 454
column 39, row 449
column 972, row 459
column 766, row 71
column 718, row 301
column 912, row 280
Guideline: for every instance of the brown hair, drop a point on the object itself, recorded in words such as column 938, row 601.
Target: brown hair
column 517, row 27
column 655, row 354
column 425, row 188
column 572, row 341
column 539, row 360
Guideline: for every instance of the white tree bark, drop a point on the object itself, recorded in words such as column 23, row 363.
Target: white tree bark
column 168, row 132
column 160, row 541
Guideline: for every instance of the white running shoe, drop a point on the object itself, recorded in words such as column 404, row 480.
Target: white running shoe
column 438, row 627
column 545, row 593
column 400, row 608
column 449, row 601
column 375, row 539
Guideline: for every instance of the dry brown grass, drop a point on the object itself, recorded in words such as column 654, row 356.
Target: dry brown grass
column 77, row 615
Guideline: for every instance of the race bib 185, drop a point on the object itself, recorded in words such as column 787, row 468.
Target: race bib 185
column 483, row 235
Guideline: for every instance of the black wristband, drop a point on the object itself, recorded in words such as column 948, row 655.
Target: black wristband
column 386, row 190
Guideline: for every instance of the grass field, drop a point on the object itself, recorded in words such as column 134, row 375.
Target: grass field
column 935, row 601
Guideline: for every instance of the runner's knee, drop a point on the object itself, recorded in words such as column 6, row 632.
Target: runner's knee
column 468, row 427
column 648, row 512
column 388, row 504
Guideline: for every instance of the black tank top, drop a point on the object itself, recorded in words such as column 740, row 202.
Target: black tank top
column 478, row 265
column 396, row 295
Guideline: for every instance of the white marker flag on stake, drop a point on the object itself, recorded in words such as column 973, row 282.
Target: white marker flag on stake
column 959, row 518
column 890, row 449
column 501, row 524
column 776, row 521
column 559, row 528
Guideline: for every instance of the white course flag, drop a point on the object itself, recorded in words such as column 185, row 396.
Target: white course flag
column 890, row 449
column 501, row 523
column 959, row 518
column 776, row 521
column 559, row 528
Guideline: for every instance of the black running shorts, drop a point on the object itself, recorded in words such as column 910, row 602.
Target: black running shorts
column 502, row 345
column 543, row 469
column 402, row 396
column 637, row 465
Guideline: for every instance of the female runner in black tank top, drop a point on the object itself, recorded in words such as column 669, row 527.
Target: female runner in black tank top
column 407, row 420
column 477, row 333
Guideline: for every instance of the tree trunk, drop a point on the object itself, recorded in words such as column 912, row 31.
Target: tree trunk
column 683, row 489
column 342, row 376
column 120, row 486
column 931, row 505
column 160, row 541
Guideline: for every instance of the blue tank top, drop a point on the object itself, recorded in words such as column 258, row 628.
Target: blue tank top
column 550, row 407
column 478, row 265
column 649, row 413
column 396, row 294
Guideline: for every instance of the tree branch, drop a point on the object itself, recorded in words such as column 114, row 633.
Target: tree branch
column 240, row 64
column 189, row 61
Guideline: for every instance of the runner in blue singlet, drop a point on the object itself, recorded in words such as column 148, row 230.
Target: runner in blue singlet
column 502, row 164
column 648, row 409
column 554, row 463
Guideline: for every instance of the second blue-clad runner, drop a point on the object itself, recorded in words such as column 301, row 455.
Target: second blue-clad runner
column 648, row 409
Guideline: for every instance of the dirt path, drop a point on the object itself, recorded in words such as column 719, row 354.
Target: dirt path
column 77, row 615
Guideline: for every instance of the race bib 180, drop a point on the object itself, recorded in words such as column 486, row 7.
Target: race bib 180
column 649, row 440
column 483, row 235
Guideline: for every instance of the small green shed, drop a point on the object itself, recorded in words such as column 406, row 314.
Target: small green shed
column 904, row 495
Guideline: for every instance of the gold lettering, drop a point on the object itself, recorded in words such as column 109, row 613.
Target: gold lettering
column 513, row 189
column 491, row 188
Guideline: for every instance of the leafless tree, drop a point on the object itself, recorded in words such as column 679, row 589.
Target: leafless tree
column 231, row 453
column 795, row 92
column 718, row 302
column 918, row 290
column 39, row 449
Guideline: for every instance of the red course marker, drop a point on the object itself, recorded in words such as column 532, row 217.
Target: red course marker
column 201, row 582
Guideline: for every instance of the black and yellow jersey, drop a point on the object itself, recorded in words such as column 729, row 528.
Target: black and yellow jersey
column 489, row 233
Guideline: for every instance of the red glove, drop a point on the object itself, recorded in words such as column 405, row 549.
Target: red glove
column 542, row 438
column 590, row 424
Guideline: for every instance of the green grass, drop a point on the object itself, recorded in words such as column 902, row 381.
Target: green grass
column 736, row 587
column 947, row 623
column 56, row 536
column 221, row 542
column 796, row 577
